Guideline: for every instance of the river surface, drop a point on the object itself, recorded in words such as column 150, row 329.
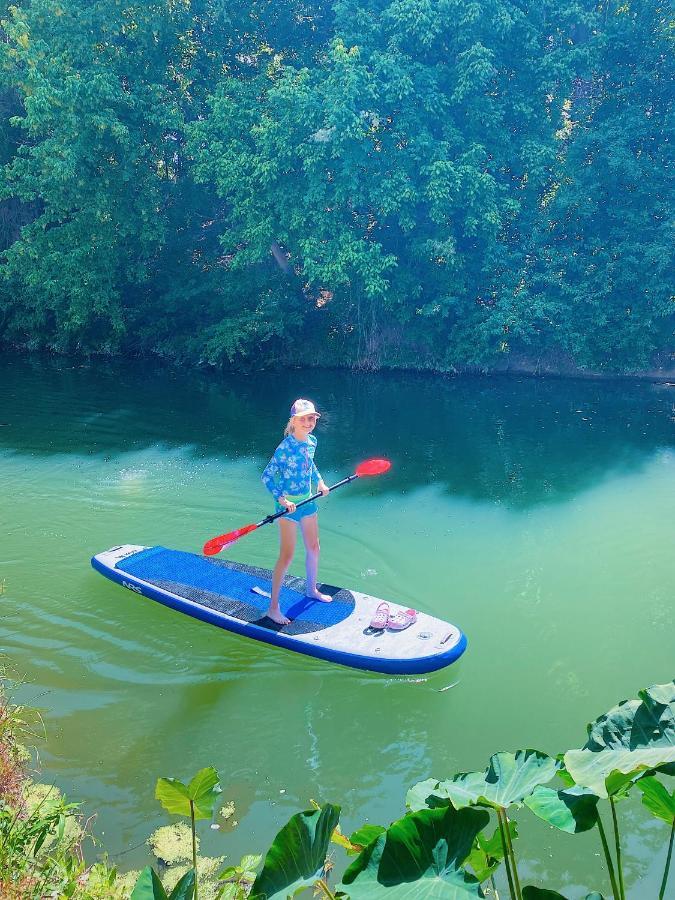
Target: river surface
column 536, row 515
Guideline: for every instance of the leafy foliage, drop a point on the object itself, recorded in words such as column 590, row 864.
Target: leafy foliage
column 573, row 809
column 297, row 856
column 195, row 799
column 420, row 856
column 372, row 183
column 657, row 799
column 639, row 724
column 149, row 887
column 508, row 780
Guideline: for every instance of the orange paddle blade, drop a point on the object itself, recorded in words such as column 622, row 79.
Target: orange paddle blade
column 373, row 467
column 216, row 544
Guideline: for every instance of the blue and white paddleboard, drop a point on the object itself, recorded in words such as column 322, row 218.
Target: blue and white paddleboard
column 236, row 596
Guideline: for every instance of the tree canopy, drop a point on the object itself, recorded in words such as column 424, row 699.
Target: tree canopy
column 366, row 182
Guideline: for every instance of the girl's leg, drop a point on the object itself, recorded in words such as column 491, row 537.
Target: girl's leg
column 288, row 531
column 310, row 535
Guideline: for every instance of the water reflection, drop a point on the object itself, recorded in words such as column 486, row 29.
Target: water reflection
column 513, row 441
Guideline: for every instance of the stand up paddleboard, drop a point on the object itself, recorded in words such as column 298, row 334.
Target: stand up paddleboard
column 236, row 596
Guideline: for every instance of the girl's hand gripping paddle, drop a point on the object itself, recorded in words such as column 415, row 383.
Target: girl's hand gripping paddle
column 369, row 467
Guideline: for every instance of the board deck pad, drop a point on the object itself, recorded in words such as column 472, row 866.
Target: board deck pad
column 235, row 596
column 228, row 587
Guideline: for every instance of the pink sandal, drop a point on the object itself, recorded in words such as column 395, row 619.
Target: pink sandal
column 381, row 617
column 402, row 620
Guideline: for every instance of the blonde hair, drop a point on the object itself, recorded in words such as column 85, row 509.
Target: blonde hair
column 290, row 428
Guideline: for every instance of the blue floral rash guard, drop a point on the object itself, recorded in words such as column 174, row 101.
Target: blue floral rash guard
column 292, row 472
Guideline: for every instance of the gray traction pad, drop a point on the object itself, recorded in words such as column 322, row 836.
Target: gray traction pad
column 246, row 612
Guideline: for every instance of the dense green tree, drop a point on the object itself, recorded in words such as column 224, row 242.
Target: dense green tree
column 120, row 253
column 601, row 265
column 369, row 181
column 395, row 170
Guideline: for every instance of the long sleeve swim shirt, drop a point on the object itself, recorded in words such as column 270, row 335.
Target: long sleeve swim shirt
column 292, row 472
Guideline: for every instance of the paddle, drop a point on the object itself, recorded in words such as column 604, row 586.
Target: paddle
column 369, row 467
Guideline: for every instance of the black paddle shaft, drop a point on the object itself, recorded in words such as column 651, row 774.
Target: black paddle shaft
column 271, row 518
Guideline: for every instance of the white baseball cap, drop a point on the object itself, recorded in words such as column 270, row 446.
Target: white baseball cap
column 304, row 408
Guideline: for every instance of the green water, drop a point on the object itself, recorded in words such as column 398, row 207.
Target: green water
column 537, row 515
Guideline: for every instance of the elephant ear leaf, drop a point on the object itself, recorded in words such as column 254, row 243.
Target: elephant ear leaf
column 601, row 772
column 423, row 796
column 173, row 795
column 632, row 739
column 203, row 790
column 148, row 886
column 297, row 856
column 200, row 795
column 185, row 888
column 637, row 724
column 657, row 799
column 572, row 809
column 487, row 853
column 508, row 780
column 419, row 856
column 363, row 836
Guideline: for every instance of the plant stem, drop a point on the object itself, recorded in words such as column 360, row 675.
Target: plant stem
column 194, row 845
column 494, row 887
column 662, row 892
column 617, row 846
column 519, row 892
column 507, row 861
column 325, row 890
column 608, row 859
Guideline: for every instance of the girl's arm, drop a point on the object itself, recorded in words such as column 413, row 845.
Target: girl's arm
column 271, row 478
column 321, row 486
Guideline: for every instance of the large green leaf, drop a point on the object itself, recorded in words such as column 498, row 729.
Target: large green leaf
column 365, row 835
column 597, row 770
column 419, row 857
column 657, row 799
column 637, row 724
column 148, row 886
column 422, row 795
column 298, row 853
column 572, row 809
column 185, row 888
column 203, row 791
column 509, row 778
column 175, row 797
column 487, row 853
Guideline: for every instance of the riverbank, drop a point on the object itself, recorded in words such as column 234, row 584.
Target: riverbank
column 48, row 848
column 512, row 364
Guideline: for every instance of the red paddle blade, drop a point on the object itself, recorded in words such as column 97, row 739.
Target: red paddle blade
column 373, row 467
column 216, row 544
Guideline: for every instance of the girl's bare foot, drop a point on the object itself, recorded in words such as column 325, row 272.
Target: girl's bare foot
column 317, row 595
column 277, row 616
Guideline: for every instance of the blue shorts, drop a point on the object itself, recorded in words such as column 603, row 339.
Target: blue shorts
column 307, row 510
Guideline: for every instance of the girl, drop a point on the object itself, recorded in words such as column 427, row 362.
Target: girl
column 290, row 476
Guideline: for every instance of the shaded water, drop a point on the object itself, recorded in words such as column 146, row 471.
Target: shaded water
column 537, row 515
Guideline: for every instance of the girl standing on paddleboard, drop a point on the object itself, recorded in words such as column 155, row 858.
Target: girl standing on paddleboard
column 290, row 477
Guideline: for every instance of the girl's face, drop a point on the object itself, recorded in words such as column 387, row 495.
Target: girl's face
column 304, row 425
